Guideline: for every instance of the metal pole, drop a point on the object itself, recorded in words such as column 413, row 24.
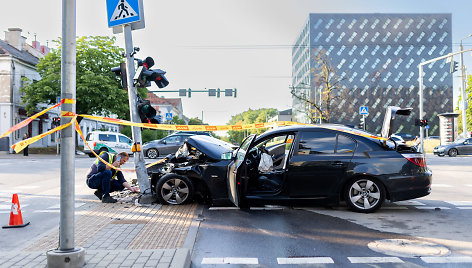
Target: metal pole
column 75, row 256
column 464, row 96
column 143, row 181
column 421, row 107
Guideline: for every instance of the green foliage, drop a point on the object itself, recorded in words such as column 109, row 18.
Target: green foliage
column 146, row 134
column 195, row 121
column 177, row 121
column 249, row 117
column 98, row 90
column 468, row 112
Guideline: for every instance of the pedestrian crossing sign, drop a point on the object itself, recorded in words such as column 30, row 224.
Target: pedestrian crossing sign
column 364, row 110
column 122, row 12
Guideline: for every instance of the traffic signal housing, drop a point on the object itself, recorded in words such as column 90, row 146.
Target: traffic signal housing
column 454, row 66
column 146, row 112
column 144, row 75
column 421, row 122
column 121, row 72
column 56, row 121
column 362, row 123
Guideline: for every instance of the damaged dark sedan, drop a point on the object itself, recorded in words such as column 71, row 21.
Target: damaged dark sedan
column 322, row 164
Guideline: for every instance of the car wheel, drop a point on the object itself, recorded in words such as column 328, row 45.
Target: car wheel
column 174, row 189
column 364, row 195
column 91, row 155
column 152, row 153
column 452, row 152
column 440, row 155
column 103, row 149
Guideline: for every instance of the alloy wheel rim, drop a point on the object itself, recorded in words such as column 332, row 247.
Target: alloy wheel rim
column 364, row 194
column 174, row 191
column 152, row 153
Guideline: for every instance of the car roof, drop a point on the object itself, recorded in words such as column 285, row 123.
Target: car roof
column 335, row 127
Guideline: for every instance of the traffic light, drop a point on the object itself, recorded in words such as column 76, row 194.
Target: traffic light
column 121, row 72
column 144, row 75
column 454, row 66
column 421, row 122
column 56, row 121
column 362, row 123
column 146, row 112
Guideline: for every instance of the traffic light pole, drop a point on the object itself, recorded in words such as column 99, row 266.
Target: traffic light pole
column 141, row 173
column 420, row 73
column 463, row 95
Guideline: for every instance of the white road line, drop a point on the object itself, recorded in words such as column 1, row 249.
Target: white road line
column 374, row 260
column 409, row 203
column 264, row 208
column 432, row 208
column 47, row 211
column 27, row 187
column 223, row 208
column 58, row 206
column 460, row 203
column 464, row 207
column 230, row 260
column 468, row 185
column 442, row 185
column 307, row 260
column 460, row 259
column 8, row 207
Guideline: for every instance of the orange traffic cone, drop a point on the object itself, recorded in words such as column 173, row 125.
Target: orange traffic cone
column 16, row 220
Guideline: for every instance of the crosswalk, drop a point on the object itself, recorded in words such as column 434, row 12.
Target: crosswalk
column 330, row 260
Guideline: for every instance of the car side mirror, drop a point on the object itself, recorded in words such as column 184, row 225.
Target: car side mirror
column 164, row 142
column 227, row 156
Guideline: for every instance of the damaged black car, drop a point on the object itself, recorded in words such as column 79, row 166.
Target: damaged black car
column 323, row 164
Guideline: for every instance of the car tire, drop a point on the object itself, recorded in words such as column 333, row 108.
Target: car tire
column 103, row 149
column 440, row 155
column 152, row 153
column 452, row 152
column 91, row 155
column 173, row 189
column 359, row 198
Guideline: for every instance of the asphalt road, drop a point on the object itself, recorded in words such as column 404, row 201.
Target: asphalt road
column 427, row 232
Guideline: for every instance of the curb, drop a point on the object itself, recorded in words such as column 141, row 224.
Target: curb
column 181, row 258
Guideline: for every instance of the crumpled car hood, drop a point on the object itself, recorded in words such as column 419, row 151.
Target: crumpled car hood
column 210, row 146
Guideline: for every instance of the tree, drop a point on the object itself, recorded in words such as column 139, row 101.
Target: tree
column 195, row 121
column 98, row 90
column 468, row 112
column 326, row 84
column 249, row 117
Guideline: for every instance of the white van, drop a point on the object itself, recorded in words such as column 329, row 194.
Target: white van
column 106, row 141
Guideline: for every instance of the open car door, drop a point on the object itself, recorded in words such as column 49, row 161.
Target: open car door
column 234, row 171
column 389, row 119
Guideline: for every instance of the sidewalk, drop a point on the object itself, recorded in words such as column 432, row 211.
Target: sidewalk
column 123, row 234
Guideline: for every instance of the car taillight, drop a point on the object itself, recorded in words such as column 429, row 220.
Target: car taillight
column 416, row 159
column 94, row 144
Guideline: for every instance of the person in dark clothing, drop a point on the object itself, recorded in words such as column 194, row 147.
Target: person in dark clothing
column 25, row 151
column 106, row 179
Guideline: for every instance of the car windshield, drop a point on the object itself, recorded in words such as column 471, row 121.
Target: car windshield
column 459, row 141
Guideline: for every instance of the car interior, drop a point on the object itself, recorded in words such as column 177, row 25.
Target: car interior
column 269, row 178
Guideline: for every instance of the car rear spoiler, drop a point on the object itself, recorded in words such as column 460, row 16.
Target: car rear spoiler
column 389, row 119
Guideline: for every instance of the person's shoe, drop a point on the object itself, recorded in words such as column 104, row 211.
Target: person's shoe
column 108, row 199
column 98, row 194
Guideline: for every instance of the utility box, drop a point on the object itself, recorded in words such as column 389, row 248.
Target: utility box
column 4, row 144
column 448, row 128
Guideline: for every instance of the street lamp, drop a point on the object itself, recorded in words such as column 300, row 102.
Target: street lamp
column 463, row 94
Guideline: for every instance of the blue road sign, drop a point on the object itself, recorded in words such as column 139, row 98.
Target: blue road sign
column 168, row 116
column 122, row 12
column 363, row 110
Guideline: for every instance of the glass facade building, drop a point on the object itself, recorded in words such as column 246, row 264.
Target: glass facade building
column 376, row 57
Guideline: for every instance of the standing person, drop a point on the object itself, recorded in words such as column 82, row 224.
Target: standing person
column 25, row 151
column 107, row 180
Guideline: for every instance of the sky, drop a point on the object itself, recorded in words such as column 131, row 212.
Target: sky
column 202, row 44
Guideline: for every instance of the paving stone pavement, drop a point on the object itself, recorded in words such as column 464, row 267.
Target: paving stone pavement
column 120, row 235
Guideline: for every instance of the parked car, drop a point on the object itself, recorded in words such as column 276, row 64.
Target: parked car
column 398, row 139
column 405, row 136
column 459, row 147
column 167, row 145
column 107, row 141
column 302, row 164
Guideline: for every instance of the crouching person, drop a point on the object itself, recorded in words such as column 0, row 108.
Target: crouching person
column 106, row 179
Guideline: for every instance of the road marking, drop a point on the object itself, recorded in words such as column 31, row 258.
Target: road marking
column 46, row 211
column 409, row 203
column 230, row 260
column 24, row 187
column 447, row 259
column 58, row 206
column 8, row 207
column 223, row 208
column 464, row 207
column 307, row 260
column 469, row 185
column 375, row 260
column 432, row 208
column 266, row 208
column 442, row 185
column 460, row 203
